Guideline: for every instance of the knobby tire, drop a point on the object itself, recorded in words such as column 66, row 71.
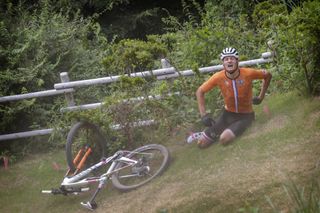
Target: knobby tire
column 158, row 163
column 81, row 134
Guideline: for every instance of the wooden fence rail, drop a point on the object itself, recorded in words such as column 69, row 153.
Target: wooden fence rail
column 66, row 87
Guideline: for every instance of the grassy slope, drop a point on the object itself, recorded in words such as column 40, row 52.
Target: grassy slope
column 280, row 148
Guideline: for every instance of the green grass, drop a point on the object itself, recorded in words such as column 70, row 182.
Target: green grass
column 249, row 175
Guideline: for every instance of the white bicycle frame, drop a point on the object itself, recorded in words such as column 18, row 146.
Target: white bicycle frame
column 78, row 182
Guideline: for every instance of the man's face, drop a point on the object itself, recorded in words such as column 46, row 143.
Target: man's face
column 230, row 64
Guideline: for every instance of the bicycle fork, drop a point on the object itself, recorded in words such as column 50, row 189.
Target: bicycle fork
column 91, row 204
column 80, row 159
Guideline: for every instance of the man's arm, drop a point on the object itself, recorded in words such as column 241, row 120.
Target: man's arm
column 265, row 85
column 201, row 102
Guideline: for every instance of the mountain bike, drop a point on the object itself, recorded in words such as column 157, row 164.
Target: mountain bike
column 127, row 170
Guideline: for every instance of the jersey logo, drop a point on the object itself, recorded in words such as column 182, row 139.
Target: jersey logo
column 240, row 82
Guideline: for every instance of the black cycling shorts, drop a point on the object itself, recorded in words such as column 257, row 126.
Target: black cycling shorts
column 236, row 122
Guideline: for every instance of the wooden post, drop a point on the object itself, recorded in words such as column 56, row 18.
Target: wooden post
column 69, row 96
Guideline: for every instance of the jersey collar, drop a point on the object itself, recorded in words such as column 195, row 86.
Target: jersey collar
column 225, row 73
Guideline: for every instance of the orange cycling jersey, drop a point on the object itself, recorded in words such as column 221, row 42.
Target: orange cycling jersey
column 237, row 93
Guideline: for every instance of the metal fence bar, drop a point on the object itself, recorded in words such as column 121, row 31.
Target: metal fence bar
column 81, row 107
column 265, row 59
column 25, row 134
column 98, row 105
column 49, row 131
column 111, row 79
column 35, row 95
column 135, row 124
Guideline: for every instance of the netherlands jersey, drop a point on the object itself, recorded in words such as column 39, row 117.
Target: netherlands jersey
column 237, row 93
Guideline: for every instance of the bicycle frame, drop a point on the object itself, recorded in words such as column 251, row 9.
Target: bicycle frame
column 74, row 180
column 76, row 183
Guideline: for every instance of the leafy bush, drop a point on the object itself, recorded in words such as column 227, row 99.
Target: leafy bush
column 296, row 42
column 36, row 45
column 303, row 45
column 302, row 199
column 129, row 56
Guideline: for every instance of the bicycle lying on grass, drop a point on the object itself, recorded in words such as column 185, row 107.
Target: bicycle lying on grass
column 85, row 152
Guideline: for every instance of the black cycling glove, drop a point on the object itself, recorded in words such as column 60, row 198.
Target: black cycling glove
column 256, row 100
column 207, row 120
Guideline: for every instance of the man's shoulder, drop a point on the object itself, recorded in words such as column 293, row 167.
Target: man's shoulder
column 248, row 70
column 253, row 73
column 219, row 73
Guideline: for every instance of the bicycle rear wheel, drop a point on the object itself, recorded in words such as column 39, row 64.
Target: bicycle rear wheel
column 82, row 137
column 153, row 160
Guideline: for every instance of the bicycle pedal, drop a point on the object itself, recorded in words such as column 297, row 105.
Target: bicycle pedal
column 91, row 206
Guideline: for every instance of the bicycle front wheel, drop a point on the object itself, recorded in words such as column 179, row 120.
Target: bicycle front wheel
column 82, row 137
column 152, row 160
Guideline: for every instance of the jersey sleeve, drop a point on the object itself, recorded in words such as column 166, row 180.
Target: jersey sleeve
column 257, row 74
column 210, row 83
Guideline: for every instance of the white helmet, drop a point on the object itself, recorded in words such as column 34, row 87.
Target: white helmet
column 229, row 51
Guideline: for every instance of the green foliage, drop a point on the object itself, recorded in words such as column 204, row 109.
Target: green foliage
column 36, row 45
column 266, row 12
column 130, row 56
column 201, row 45
column 98, row 6
column 158, row 103
column 305, row 202
column 296, row 41
column 304, row 44
column 302, row 199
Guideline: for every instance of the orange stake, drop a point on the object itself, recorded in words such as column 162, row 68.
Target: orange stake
column 6, row 162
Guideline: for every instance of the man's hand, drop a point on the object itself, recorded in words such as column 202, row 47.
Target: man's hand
column 256, row 100
column 207, row 120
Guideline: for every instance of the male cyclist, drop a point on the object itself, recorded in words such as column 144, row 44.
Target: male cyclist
column 235, row 84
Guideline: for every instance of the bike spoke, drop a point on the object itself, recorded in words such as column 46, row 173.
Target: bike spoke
column 151, row 161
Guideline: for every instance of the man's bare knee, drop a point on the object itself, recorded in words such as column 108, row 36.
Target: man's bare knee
column 226, row 137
